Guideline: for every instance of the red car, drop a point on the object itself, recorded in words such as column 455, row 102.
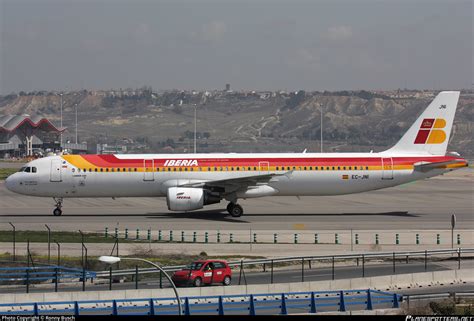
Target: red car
column 204, row 272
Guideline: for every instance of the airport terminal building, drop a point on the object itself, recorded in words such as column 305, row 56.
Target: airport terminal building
column 30, row 136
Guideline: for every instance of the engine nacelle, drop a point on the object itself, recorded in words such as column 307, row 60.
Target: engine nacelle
column 189, row 198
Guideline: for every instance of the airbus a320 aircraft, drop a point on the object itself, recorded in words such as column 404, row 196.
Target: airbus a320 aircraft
column 191, row 181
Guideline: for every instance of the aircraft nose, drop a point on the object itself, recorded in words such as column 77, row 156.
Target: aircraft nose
column 10, row 183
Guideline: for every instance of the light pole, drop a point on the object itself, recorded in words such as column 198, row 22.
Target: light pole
column 75, row 105
column 61, row 134
column 115, row 259
column 14, row 240
column 49, row 243
column 195, row 126
column 321, row 109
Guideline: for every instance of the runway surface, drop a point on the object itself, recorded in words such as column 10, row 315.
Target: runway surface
column 419, row 205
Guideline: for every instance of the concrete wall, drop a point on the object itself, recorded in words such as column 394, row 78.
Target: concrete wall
column 385, row 283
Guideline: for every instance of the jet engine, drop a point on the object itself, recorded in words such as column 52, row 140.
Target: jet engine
column 189, row 198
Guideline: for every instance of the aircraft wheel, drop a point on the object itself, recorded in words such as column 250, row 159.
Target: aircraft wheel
column 57, row 212
column 237, row 211
column 229, row 207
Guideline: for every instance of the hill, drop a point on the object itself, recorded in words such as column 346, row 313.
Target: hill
column 146, row 121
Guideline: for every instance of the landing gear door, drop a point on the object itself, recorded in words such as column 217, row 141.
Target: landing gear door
column 387, row 168
column 148, row 170
column 55, row 174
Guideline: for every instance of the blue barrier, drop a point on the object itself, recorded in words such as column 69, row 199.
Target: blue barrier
column 275, row 303
column 42, row 273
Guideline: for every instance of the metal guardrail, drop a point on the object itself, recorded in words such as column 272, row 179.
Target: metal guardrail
column 362, row 256
column 253, row 304
column 430, row 296
column 43, row 273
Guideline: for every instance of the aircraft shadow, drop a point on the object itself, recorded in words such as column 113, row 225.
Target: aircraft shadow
column 219, row 215
column 212, row 215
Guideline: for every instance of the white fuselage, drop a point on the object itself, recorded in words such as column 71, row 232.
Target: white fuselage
column 151, row 175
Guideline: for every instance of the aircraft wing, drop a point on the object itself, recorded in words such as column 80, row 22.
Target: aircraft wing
column 426, row 167
column 232, row 184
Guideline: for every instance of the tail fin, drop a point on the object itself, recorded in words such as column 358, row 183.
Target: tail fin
column 430, row 133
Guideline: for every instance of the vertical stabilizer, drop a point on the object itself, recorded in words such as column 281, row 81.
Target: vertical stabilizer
column 430, row 132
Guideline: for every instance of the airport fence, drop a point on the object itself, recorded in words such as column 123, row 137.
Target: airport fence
column 243, row 304
column 271, row 266
column 361, row 265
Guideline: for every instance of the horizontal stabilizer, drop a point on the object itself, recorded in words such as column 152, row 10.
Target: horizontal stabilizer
column 428, row 166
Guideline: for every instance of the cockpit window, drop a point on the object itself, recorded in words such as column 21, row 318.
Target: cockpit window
column 33, row 169
column 22, row 169
column 28, row 169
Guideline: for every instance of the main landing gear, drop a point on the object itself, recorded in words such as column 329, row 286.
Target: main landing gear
column 235, row 210
column 59, row 204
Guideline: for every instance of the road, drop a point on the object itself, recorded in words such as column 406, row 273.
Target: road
column 316, row 273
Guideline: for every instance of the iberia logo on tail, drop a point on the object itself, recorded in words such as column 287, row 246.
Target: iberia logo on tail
column 431, row 131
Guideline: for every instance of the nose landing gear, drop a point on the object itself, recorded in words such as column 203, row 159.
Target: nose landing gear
column 59, row 204
column 235, row 210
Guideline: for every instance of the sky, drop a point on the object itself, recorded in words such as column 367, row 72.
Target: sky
column 252, row 45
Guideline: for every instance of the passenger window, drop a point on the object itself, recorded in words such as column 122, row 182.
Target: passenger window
column 135, row 169
column 311, row 168
column 118, row 169
column 250, row 168
column 185, row 169
column 106, row 169
column 192, row 169
column 367, row 167
column 101, row 169
column 350, row 168
column 174, row 169
column 339, row 168
column 113, row 170
column 305, row 168
column 231, row 168
column 255, row 168
column 95, row 169
column 237, row 168
column 215, row 169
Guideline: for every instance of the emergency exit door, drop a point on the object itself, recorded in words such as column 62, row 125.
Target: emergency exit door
column 387, row 168
column 148, row 170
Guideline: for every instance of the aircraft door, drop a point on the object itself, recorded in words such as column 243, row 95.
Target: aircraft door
column 55, row 174
column 264, row 167
column 148, row 170
column 387, row 168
